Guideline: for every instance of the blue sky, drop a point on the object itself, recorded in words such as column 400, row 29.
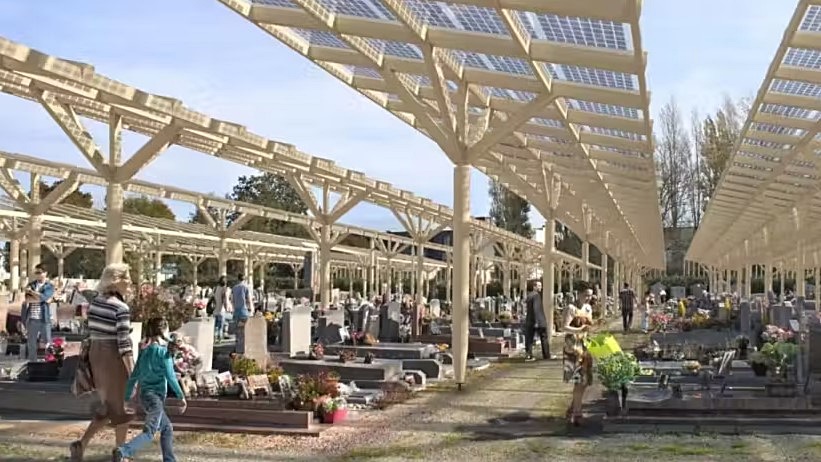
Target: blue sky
column 217, row 63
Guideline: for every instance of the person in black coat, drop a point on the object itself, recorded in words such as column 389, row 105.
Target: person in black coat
column 535, row 322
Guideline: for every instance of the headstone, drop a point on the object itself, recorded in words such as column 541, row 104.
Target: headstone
column 656, row 288
column 200, row 334
column 814, row 350
column 783, row 314
column 296, row 331
column 435, row 308
column 329, row 325
column 745, row 318
column 390, row 316
column 678, row 292
column 256, row 340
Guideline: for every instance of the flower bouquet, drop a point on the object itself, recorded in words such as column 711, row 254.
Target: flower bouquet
column 186, row 359
column 773, row 334
column 55, row 353
column 660, row 321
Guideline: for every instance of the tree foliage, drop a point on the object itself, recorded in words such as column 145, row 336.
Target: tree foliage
column 509, row 211
column 273, row 191
column 77, row 198
column 148, row 207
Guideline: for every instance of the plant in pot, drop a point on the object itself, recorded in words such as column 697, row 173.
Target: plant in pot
column 615, row 373
column 780, row 356
column 310, row 388
column 317, row 351
column 369, row 357
column 758, row 363
column 334, row 410
column 505, row 318
column 347, row 356
column 274, row 373
column 244, row 367
column 486, row 316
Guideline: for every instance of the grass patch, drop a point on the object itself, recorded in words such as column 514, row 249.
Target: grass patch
column 678, row 450
column 377, row 453
column 217, row 440
column 639, row 447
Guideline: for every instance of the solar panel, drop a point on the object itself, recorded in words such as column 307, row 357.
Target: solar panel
column 619, row 151
column 371, row 9
column 321, row 38
column 577, row 31
column 777, row 129
column 605, row 109
column 279, row 3
column 366, row 72
column 616, row 133
column 812, row 20
column 765, row 144
column 517, row 95
column 790, row 111
column 399, row 49
column 792, row 87
column 596, row 77
column 547, row 122
column 802, row 57
column 494, row 63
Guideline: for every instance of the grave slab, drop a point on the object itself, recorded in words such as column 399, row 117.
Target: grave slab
column 256, row 340
column 200, row 333
column 381, row 370
column 387, row 351
column 431, row 367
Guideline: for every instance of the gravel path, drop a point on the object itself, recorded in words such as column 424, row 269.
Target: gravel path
column 512, row 411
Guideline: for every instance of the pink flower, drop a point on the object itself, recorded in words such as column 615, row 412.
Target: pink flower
column 50, row 358
column 58, row 342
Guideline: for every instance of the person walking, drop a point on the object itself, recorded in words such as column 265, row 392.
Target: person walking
column 627, row 298
column 36, row 314
column 110, row 356
column 154, row 372
column 535, row 323
column 243, row 308
column 221, row 307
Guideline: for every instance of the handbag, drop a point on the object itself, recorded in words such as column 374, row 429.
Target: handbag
column 83, row 379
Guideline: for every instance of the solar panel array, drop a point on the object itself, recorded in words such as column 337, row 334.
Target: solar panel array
column 596, row 133
column 772, row 179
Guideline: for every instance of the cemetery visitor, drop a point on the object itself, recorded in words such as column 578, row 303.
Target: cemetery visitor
column 535, row 322
column 110, row 357
column 36, row 313
column 241, row 299
column 663, row 296
column 154, row 373
column 644, row 311
column 576, row 361
column 627, row 298
column 221, row 307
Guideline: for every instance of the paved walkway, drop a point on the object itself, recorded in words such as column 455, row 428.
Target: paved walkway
column 512, row 411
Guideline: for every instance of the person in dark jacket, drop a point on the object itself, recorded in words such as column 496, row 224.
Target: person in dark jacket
column 535, row 322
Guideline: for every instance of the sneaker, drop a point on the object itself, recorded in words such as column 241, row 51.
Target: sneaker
column 529, row 358
column 117, row 456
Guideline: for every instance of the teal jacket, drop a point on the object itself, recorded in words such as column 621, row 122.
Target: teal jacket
column 154, row 372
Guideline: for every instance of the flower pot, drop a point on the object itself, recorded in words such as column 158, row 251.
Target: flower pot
column 759, row 369
column 612, row 403
column 334, row 416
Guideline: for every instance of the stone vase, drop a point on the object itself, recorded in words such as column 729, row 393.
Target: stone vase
column 612, row 403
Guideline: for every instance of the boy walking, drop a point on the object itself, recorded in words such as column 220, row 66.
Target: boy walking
column 154, row 372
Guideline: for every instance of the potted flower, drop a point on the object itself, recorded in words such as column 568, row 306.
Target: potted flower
column 334, row 410
column 317, row 351
column 615, row 373
column 758, row 363
column 56, row 351
column 486, row 316
column 505, row 317
column 347, row 356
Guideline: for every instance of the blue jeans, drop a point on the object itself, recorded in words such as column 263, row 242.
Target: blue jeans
column 645, row 318
column 36, row 329
column 219, row 323
column 155, row 421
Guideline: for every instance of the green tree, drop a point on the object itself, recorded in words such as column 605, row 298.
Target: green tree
column 509, row 211
column 77, row 198
column 148, row 207
column 273, row 191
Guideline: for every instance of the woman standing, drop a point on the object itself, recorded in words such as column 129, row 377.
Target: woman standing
column 220, row 307
column 110, row 355
column 578, row 364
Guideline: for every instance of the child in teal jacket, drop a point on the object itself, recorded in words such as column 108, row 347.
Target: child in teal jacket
column 154, row 372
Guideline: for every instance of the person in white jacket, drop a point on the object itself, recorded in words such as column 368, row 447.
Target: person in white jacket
column 222, row 305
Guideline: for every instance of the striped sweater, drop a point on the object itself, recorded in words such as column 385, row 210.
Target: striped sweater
column 109, row 318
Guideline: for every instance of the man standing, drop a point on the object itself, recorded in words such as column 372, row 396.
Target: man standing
column 535, row 323
column 36, row 311
column 243, row 307
column 627, row 298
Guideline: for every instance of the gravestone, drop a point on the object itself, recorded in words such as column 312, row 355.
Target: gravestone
column 782, row 316
column 656, row 288
column 435, row 308
column 329, row 325
column 814, row 350
column 200, row 334
column 390, row 316
column 745, row 318
column 256, row 340
column 678, row 292
column 296, row 331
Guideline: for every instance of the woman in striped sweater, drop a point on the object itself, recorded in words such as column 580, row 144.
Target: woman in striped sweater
column 110, row 355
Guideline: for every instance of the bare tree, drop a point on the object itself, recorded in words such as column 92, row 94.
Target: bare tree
column 673, row 153
column 719, row 136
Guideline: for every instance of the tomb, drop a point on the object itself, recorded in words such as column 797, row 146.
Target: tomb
column 296, row 331
column 256, row 340
column 352, row 371
column 199, row 333
column 388, row 350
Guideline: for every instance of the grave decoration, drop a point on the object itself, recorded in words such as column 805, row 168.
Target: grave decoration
column 505, row 318
column 317, row 351
column 347, row 356
column 55, row 352
column 486, row 316
column 615, row 372
column 187, row 360
column 660, row 321
column 773, row 334
column 369, row 357
column 310, row 389
column 758, row 363
column 274, row 373
column 333, row 410
column 153, row 302
column 743, row 344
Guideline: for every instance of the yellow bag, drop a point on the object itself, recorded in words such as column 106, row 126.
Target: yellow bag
column 602, row 346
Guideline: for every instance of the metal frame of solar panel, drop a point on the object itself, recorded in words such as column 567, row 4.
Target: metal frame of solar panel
column 595, row 134
column 767, row 206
